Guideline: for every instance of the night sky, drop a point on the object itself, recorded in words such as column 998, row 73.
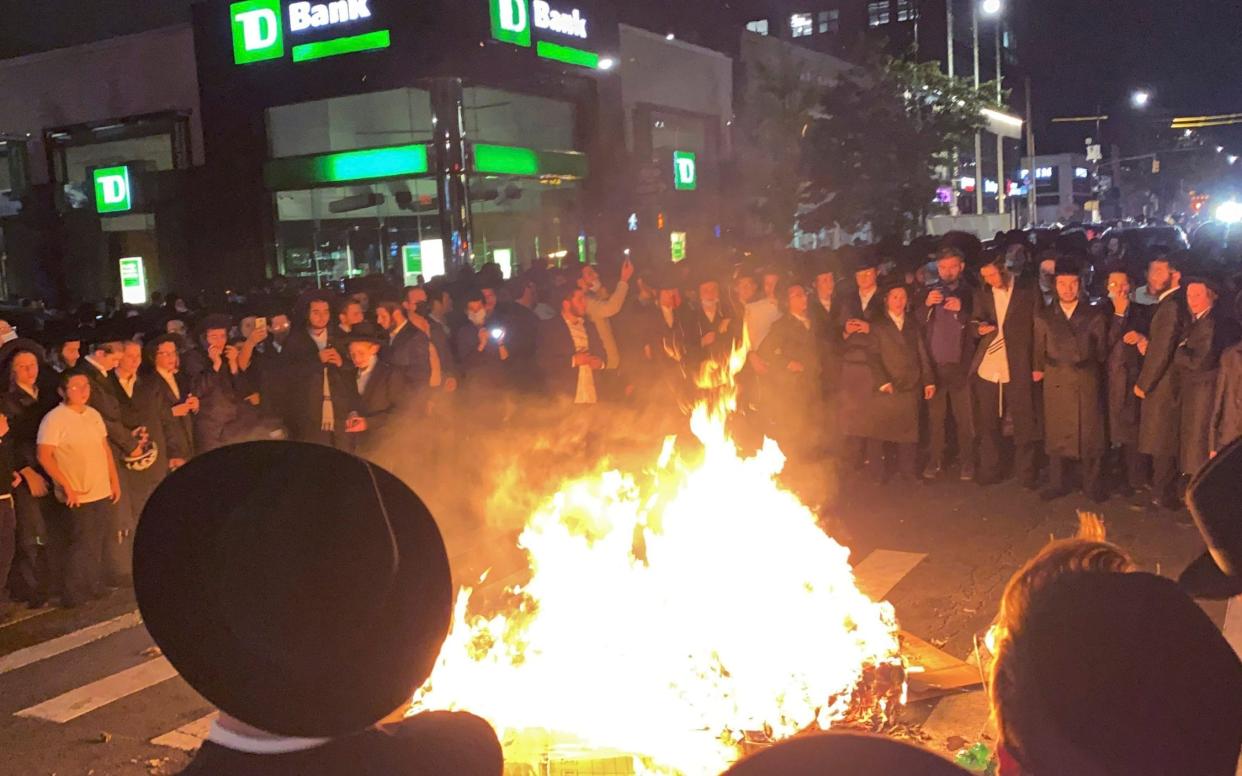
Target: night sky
column 1188, row 54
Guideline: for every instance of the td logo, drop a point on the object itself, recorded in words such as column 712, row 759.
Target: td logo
column 112, row 193
column 257, row 31
column 511, row 21
column 685, row 171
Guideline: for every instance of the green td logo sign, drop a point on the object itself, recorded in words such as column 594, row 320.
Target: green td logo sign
column 685, row 171
column 258, row 34
column 112, row 192
column 511, row 21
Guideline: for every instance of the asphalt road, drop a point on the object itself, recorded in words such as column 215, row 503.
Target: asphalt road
column 83, row 693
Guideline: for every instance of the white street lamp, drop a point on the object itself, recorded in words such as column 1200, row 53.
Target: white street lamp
column 1140, row 98
column 991, row 7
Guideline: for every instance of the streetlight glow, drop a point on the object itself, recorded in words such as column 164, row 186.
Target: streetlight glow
column 1140, row 98
column 607, row 63
column 1229, row 212
column 991, row 7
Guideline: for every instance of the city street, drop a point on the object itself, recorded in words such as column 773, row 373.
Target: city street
column 84, row 692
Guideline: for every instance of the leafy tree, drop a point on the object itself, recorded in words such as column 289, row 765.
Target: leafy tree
column 873, row 150
column 775, row 113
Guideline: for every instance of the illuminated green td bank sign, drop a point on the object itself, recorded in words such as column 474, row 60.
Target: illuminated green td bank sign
column 260, row 27
column 549, row 29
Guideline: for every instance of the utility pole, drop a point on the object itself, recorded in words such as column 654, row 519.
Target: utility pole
column 1030, row 153
column 949, row 57
column 1000, row 140
column 974, row 18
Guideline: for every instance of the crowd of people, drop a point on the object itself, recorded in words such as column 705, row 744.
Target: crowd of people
column 982, row 362
column 985, row 362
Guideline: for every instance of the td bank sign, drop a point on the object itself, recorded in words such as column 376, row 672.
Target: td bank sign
column 548, row 28
column 259, row 28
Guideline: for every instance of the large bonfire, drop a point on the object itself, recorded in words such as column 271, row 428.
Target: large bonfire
column 672, row 618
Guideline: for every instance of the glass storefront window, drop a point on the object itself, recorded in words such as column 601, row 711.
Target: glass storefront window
column 508, row 118
column 672, row 132
column 332, row 233
column 521, row 219
column 394, row 117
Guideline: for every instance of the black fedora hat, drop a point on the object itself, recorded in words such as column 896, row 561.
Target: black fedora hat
column 368, row 332
column 301, row 590
column 844, row 754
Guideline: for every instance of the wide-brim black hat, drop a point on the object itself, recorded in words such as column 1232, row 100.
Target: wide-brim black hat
column 1068, row 266
column 300, row 589
column 1214, row 497
column 213, row 321
column 844, row 754
column 864, row 259
column 20, row 345
column 368, row 332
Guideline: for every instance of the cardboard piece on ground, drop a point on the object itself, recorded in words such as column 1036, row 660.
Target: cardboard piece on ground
column 880, row 571
column 942, row 673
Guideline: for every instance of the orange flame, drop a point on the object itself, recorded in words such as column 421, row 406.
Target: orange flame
column 668, row 615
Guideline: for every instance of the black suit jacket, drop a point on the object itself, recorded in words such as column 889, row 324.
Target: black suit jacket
column 105, row 400
column 180, row 431
column 411, row 351
column 25, row 413
column 305, row 391
column 555, row 353
column 828, row 326
column 386, row 393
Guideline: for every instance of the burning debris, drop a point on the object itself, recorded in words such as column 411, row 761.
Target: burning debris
column 674, row 619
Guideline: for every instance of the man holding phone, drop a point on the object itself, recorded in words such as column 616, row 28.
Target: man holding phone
column 318, row 395
column 481, row 350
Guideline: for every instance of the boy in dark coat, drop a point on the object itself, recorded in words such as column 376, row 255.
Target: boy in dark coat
column 904, row 379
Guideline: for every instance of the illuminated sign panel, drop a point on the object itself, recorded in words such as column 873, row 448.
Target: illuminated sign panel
column 685, row 171
column 112, row 190
column 551, row 30
column 678, row 244
column 133, row 281
column 258, row 34
column 260, row 28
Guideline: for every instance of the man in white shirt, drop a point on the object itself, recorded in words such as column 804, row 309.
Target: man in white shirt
column 763, row 312
column 74, row 451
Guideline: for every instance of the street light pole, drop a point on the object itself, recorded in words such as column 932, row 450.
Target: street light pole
column 974, row 19
column 1000, row 140
column 950, row 66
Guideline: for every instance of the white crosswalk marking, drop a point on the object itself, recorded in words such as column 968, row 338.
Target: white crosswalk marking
column 188, row 737
column 30, row 655
column 87, row 698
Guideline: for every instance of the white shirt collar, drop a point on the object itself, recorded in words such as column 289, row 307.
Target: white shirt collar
column 91, row 360
column 1165, row 295
column 250, row 745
